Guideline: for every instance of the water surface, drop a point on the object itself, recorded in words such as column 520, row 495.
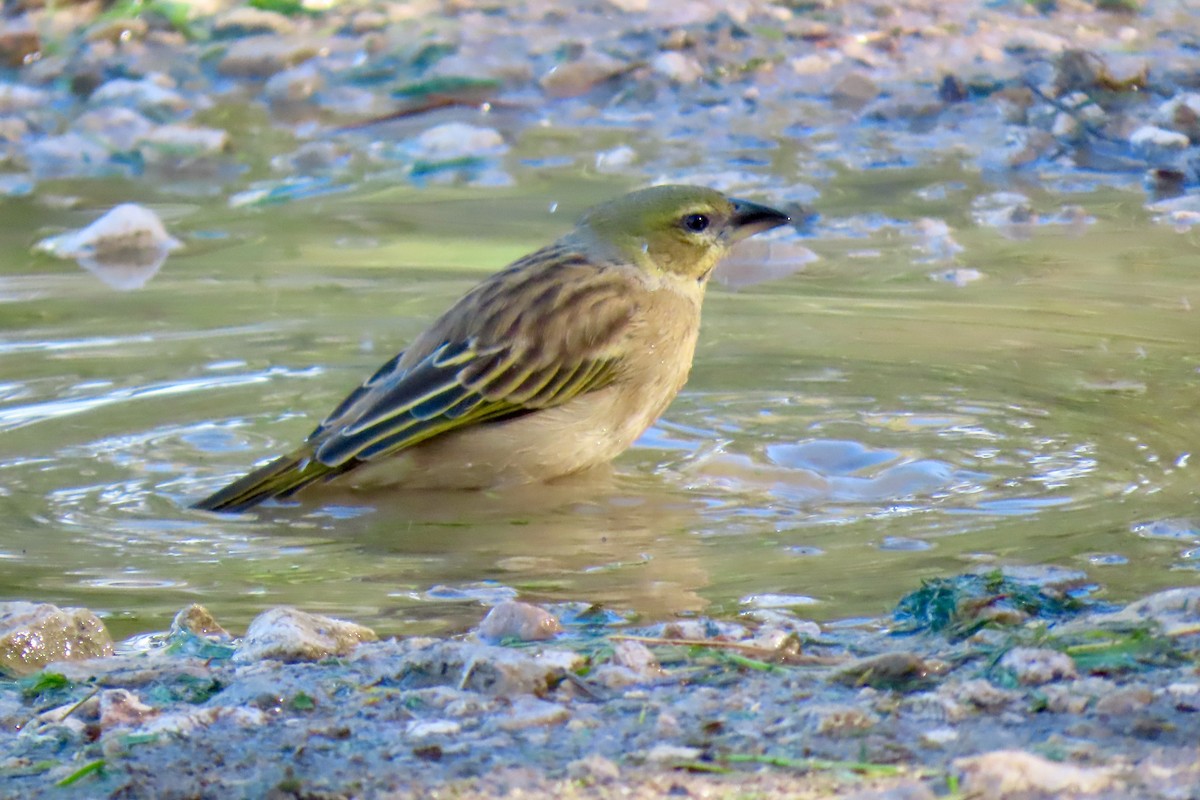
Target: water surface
column 848, row 430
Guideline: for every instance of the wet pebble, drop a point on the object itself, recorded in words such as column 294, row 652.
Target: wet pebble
column 67, row 156
column 522, row 621
column 594, row 769
column 1034, row 666
column 1005, row 773
column 530, row 712
column 198, row 621
column 294, row 85
column 840, row 720
column 264, row 55
column 677, row 67
column 248, row 21
column 899, row 671
column 288, row 634
column 1158, row 144
column 455, row 140
column 35, row 634
column 426, row 728
column 123, row 708
column 1125, row 701
column 573, row 78
column 152, row 96
column 1174, row 611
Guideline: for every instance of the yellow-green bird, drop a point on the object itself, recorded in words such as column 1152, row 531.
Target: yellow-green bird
column 551, row 366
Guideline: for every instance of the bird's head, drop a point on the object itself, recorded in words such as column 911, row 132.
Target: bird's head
column 677, row 230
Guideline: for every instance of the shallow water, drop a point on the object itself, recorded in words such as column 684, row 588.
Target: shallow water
column 848, row 430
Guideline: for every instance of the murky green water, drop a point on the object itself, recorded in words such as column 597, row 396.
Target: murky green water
column 847, row 431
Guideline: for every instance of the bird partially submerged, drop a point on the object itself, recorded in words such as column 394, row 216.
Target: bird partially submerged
column 551, row 366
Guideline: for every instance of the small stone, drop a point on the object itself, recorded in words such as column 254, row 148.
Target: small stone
column 35, row 634
column 1125, row 701
column 1004, row 773
column 263, row 56
column 248, row 21
column 630, row 6
column 594, row 769
column 615, row 160
column 667, row 726
column 67, row 156
column 455, row 140
column 149, row 96
column 939, row 737
column 854, row 89
column 983, row 695
column 1174, row 610
column 614, row 677
column 368, row 21
column 119, row 128
column 121, row 707
column 573, row 78
column 124, row 248
column 1024, row 39
column 119, row 30
column 294, row 85
column 958, row 276
column 198, row 621
column 636, row 657
column 167, row 142
column 288, row 634
column 19, row 42
column 677, row 67
column 671, row 754
column 902, row 671
column 1065, row 698
column 15, row 98
column 425, row 728
column 530, row 712
column 515, row 620
column 1181, row 113
column 842, row 720
column 496, row 671
column 812, row 64
column 1034, row 666
column 1185, row 696
column 1151, row 140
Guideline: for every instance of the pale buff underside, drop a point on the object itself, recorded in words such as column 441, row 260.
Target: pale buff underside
column 589, row 430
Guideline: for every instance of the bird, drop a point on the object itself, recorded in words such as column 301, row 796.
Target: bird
column 549, row 367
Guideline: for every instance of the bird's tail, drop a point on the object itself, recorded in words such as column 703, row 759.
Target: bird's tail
column 281, row 478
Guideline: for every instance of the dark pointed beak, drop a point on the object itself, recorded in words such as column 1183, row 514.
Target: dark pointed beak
column 751, row 218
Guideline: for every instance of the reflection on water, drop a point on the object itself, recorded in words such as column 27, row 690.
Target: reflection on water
column 849, row 429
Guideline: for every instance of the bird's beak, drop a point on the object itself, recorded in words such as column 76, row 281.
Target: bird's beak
column 751, row 218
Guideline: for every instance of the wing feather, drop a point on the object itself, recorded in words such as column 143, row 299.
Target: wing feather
column 482, row 362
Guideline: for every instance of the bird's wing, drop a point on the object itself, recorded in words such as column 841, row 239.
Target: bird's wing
column 516, row 344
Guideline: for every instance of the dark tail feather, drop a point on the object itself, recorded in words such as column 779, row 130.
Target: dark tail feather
column 281, row 478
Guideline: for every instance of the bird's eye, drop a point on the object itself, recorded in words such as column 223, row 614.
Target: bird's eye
column 696, row 222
